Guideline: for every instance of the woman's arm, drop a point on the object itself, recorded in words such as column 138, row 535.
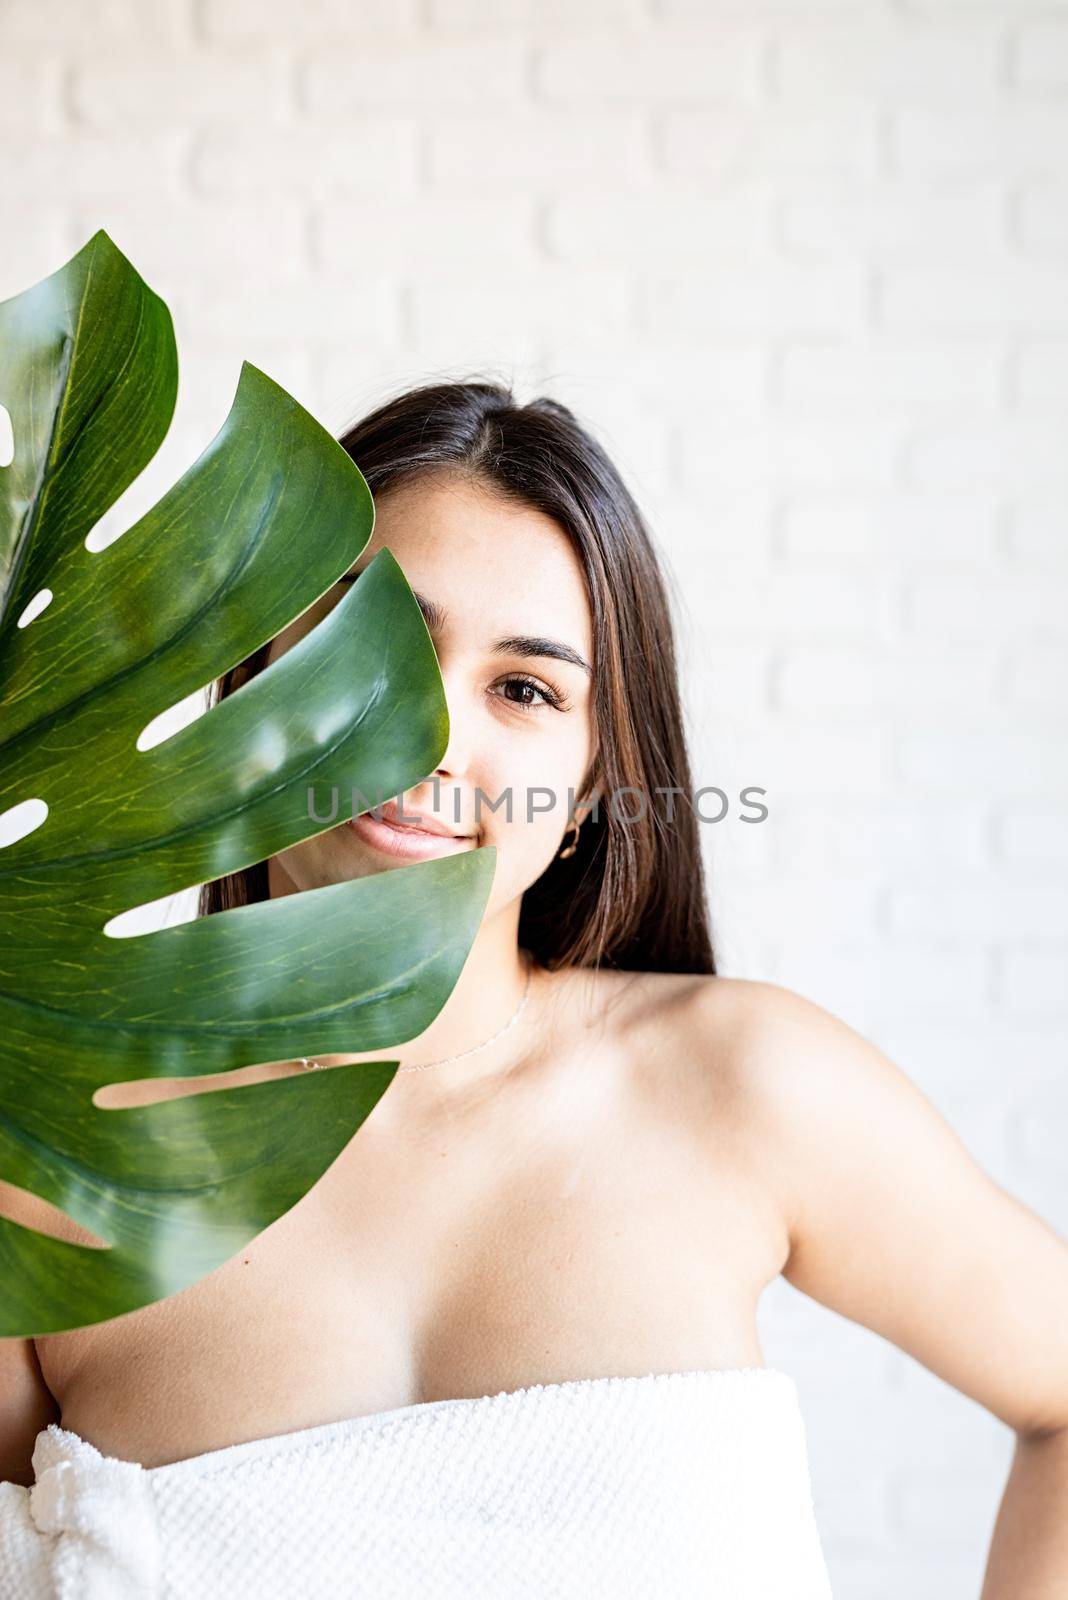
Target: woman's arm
column 1029, row 1553
column 893, row 1224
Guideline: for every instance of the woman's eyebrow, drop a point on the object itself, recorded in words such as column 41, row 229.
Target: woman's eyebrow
column 526, row 644
column 518, row 644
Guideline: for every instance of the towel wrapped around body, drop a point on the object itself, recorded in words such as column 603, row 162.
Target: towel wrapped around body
column 677, row 1485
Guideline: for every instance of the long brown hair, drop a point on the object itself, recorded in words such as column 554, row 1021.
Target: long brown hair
column 632, row 895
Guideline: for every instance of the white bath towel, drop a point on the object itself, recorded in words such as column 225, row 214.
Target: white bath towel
column 668, row 1486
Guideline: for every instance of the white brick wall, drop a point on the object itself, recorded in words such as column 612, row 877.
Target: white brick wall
column 804, row 265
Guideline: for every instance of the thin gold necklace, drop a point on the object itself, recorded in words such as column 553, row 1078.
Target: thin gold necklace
column 421, row 1066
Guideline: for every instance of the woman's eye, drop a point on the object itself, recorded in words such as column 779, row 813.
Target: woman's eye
column 526, row 689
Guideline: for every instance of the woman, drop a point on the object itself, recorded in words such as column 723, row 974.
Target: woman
column 513, row 1327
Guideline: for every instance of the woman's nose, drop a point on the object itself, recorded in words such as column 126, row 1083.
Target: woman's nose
column 454, row 760
column 457, row 753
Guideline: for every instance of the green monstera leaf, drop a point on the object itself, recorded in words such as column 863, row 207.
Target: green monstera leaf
column 256, row 530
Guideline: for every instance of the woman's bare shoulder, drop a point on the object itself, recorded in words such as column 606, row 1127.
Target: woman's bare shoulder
column 748, row 1059
column 784, row 1056
column 686, row 1037
column 708, row 1020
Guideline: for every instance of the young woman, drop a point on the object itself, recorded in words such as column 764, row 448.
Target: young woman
column 508, row 1341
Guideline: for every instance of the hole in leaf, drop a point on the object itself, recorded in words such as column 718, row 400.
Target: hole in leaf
column 167, row 912
column 17, row 821
column 173, row 720
column 19, row 1205
column 7, row 438
column 150, row 1091
column 41, row 599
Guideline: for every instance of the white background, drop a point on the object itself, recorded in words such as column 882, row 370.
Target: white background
column 804, row 268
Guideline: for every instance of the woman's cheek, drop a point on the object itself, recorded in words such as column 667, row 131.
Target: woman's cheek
column 538, row 800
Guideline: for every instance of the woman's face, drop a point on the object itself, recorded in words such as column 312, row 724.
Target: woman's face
column 507, row 589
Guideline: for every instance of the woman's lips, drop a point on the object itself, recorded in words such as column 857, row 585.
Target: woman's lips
column 404, row 839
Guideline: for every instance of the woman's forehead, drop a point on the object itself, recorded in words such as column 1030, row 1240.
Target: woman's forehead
column 478, row 555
